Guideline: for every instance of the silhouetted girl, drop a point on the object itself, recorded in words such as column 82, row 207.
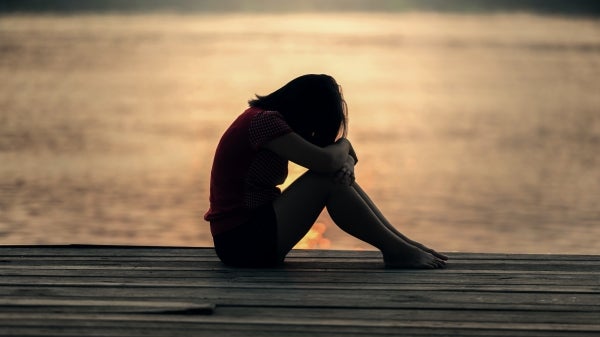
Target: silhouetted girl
column 253, row 223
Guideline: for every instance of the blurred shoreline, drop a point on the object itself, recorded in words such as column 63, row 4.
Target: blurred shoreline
column 587, row 8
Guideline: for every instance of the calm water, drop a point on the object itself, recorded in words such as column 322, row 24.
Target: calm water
column 475, row 133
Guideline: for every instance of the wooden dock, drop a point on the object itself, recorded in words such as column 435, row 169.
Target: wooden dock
column 166, row 291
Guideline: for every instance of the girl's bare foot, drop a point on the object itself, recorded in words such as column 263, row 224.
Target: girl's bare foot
column 422, row 247
column 413, row 258
column 428, row 250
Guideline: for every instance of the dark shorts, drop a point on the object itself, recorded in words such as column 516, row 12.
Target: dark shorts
column 252, row 244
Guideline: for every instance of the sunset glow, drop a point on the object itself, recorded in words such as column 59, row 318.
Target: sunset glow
column 475, row 132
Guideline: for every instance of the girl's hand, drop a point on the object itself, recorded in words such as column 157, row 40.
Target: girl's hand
column 345, row 175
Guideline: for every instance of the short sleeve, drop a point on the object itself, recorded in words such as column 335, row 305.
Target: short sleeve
column 266, row 126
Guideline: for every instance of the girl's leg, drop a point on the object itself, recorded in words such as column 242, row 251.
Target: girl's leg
column 383, row 219
column 301, row 203
column 298, row 208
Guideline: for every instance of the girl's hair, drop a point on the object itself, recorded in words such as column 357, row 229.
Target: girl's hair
column 312, row 105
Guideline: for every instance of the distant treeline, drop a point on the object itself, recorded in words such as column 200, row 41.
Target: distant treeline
column 562, row 7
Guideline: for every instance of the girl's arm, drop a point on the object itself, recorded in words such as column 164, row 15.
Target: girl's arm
column 345, row 175
column 352, row 154
column 326, row 159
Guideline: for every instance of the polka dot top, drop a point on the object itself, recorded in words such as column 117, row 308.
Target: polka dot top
column 244, row 175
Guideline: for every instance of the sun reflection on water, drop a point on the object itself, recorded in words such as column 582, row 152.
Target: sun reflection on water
column 474, row 132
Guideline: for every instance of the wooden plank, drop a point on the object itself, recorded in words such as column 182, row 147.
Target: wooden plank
column 375, row 275
column 454, row 255
column 157, row 251
column 130, row 282
column 9, row 304
column 297, row 321
column 297, row 256
column 162, row 291
column 454, row 315
column 574, row 268
column 74, row 328
column 283, row 276
column 399, row 299
column 196, row 322
column 59, row 309
column 294, row 261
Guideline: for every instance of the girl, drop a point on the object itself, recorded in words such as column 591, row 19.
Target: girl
column 253, row 223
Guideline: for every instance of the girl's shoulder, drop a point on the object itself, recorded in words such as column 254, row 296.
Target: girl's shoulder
column 266, row 125
column 252, row 114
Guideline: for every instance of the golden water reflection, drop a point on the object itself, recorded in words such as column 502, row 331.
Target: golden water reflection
column 475, row 133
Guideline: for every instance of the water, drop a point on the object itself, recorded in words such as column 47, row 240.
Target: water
column 474, row 133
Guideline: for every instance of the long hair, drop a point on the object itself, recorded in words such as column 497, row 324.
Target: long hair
column 312, row 105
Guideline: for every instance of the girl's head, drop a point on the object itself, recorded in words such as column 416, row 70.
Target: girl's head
column 312, row 105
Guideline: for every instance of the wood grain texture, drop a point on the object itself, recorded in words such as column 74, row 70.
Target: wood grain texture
column 169, row 291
